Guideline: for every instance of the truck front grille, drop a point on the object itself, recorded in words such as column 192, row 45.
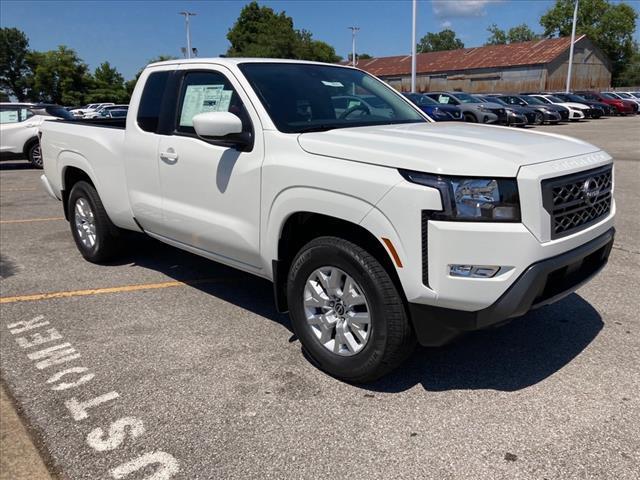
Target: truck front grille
column 578, row 200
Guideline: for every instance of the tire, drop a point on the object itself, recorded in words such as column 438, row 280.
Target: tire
column 97, row 238
column 539, row 119
column 470, row 117
column 389, row 336
column 34, row 155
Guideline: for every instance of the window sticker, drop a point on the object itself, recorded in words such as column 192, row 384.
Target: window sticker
column 203, row 98
column 9, row 116
column 332, row 84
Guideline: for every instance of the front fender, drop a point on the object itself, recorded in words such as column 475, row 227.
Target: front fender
column 306, row 199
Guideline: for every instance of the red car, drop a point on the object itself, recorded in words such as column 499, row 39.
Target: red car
column 623, row 107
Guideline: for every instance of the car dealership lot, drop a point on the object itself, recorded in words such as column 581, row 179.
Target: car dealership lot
column 211, row 384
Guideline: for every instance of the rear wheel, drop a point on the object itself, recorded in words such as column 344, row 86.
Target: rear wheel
column 34, row 154
column 97, row 238
column 346, row 311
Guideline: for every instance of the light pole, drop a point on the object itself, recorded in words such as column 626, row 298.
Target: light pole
column 413, row 48
column 187, row 15
column 353, row 44
column 573, row 39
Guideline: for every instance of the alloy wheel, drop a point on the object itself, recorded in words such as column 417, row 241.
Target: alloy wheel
column 337, row 311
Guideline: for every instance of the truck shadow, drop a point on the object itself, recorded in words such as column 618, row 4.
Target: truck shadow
column 509, row 358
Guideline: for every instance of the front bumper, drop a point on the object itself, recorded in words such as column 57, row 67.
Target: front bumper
column 540, row 284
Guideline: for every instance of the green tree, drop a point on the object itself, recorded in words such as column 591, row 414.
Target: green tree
column 521, row 33
column 610, row 25
column 107, row 85
column 14, row 67
column 261, row 32
column 131, row 84
column 360, row 56
column 435, row 42
column 59, row 76
column 306, row 48
column 630, row 74
column 498, row 36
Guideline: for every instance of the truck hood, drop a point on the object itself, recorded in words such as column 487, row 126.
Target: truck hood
column 445, row 148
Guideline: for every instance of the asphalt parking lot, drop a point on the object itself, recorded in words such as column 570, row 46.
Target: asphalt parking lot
column 204, row 380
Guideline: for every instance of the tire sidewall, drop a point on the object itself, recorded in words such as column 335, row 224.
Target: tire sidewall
column 309, row 260
column 32, row 148
column 470, row 117
column 84, row 190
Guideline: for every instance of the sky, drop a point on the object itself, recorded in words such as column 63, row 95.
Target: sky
column 129, row 33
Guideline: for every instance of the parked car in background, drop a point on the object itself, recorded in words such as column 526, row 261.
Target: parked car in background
column 516, row 116
column 19, row 123
column 625, row 96
column 437, row 111
column 473, row 110
column 577, row 112
column 114, row 113
column 265, row 174
column 106, row 111
column 572, row 97
column 552, row 114
column 87, row 109
column 622, row 107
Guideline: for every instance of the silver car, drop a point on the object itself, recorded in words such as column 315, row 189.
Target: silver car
column 473, row 109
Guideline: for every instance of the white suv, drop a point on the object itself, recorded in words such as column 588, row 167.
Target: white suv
column 19, row 123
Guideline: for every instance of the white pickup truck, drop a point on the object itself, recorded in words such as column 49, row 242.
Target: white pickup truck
column 377, row 226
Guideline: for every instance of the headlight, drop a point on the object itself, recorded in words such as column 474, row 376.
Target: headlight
column 472, row 199
column 485, row 109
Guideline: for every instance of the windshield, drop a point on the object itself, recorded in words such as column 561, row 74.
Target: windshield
column 553, row 99
column 466, row 98
column 302, row 97
column 533, row 100
column 575, row 98
column 624, row 95
column 609, row 96
column 420, row 99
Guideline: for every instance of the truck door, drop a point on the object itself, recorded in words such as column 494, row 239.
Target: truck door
column 141, row 146
column 210, row 191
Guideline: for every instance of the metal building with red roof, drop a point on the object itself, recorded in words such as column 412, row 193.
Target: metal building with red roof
column 538, row 65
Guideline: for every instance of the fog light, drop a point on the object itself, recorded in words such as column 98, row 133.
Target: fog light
column 473, row 271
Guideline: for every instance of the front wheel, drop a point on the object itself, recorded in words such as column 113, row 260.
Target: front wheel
column 346, row 311
column 97, row 238
column 470, row 117
column 538, row 119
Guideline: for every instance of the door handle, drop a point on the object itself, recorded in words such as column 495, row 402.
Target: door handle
column 170, row 156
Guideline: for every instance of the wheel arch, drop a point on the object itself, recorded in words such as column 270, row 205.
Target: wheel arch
column 28, row 144
column 301, row 227
column 70, row 176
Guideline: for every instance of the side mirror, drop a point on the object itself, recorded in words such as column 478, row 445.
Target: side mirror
column 216, row 124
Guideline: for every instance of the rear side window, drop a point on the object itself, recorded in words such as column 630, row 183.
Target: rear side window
column 151, row 101
column 9, row 115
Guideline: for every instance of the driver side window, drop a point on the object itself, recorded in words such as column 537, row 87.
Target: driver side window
column 207, row 91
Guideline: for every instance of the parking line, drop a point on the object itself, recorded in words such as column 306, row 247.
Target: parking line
column 18, row 190
column 29, row 220
column 100, row 291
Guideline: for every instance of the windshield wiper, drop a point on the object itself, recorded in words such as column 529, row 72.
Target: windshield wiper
column 317, row 128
